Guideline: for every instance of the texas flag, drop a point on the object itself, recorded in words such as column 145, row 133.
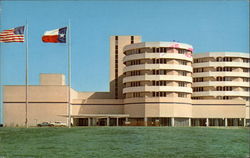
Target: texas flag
column 55, row 36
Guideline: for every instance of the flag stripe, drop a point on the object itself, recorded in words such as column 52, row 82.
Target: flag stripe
column 52, row 32
column 12, row 35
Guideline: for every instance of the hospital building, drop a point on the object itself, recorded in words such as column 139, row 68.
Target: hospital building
column 151, row 84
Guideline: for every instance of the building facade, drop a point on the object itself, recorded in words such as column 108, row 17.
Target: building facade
column 151, row 84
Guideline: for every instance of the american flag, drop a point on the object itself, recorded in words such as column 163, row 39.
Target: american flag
column 12, row 35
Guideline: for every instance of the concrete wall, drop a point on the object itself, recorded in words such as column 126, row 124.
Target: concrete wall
column 52, row 79
column 46, row 103
column 14, row 113
column 219, row 109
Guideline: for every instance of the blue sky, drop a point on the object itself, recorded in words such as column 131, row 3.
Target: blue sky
column 207, row 25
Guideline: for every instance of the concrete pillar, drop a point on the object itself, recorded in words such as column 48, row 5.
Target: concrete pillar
column 244, row 122
column 207, row 122
column 126, row 119
column 189, row 122
column 117, row 121
column 108, row 121
column 89, row 121
column 225, row 122
column 172, row 121
column 145, row 121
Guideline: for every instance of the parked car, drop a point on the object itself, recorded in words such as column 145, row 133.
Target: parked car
column 45, row 124
column 59, row 124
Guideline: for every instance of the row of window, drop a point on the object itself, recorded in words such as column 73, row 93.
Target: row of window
column 224, row 88
column 154, row 72
column 135, row 84
column 198, row 70
column 224, row 97
column 246, row 70
column 220, row 59
column 165, row 94
column 220, row 98
column 226, row 59
column 155, row 94
column 157, row 83
column 246, row 79
column 220, row 69
column 135, row 62
column 224, row 69
column 156, row 50
column 245, row 60
column 246, row 89
column 156, row 61
column 164, row 72
column 198, row 79
column 198, row 89
column 223, row 78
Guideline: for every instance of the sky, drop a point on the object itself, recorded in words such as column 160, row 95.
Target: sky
column 210, row 26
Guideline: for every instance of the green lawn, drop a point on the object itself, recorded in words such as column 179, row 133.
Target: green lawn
column 124, row 142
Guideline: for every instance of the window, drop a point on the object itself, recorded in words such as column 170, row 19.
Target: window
column 200, row 60
column 135, row 62
column 135, row 84
column 247, row 98
column 224, row 88
column 159, row 83
column 224, row 97
column 182, row 51
column 198, row 89
column 159, row 72
column 219, row 69
column 224, row 69
column 159, row 50
column 182, row 95
column 246, row 79
column 182, row 84
column 160, row 61
column 247, row 89
column 159, row 94
column 223, row 79
column 245, row 60
column 182, row 62
column 246, row 70
column 132, row 39
column 135, row 73
column 196, row 98
column 227, row 69
column 219, row 59
column 136, row 94
column 198, row 79
column 227, row 59
column 182, row 73
column 198, row 70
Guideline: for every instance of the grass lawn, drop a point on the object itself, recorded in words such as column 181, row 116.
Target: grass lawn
column 124, row 142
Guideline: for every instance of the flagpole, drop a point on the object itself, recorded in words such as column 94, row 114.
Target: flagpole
column 69, row 75
column 1, row 88
column 26, row 76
